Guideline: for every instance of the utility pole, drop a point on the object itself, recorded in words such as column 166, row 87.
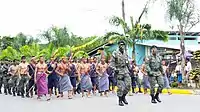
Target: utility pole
column 123, row 10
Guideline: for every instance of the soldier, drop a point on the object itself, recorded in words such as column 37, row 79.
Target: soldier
column 155, row 73
column 119, row 63
column 24, row 74
column 6, row 78
column 1, row 76
column 13, row 71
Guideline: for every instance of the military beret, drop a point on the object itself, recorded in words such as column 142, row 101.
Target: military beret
column 122, row 42
column 153, row 47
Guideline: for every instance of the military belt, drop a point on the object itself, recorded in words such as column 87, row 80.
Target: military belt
column 155, row 70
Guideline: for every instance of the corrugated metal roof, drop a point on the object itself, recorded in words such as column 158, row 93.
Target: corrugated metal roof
column 187, row 47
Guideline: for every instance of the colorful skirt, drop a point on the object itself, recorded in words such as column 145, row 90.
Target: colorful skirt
column 42, row 88
column 146, row 83
column 65, row 84
column 86, row 83
column 104, row 82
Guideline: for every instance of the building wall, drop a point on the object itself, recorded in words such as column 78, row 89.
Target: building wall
column 139, row 53
column 174, row 40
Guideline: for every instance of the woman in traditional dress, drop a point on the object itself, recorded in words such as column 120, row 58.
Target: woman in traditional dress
column 41, row 78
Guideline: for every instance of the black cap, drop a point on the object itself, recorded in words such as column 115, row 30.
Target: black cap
column 122, row 42
column 153, row 47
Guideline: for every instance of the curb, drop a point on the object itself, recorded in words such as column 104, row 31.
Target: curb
column 174, row 91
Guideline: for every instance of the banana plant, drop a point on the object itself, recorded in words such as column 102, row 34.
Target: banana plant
column 10, row 54
column 80, row 54
column 47, row 52
column 62, row 51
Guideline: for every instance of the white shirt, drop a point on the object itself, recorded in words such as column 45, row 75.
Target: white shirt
column 189, row 67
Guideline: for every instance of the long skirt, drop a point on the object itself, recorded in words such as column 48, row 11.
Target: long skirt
column 166, row 82
column 86, row 83
column 146, row 83
column 65, row 84
column 104, row 82
column 42, row 88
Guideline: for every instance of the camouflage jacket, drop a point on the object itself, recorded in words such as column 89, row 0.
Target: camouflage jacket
column 120, row 62
column 154, row 66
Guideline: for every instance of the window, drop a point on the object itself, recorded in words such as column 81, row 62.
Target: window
column 188, row 38
column 172, row 38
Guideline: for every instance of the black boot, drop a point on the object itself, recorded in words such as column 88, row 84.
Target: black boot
column 27, row 95
column 9, row 91
column 153, row 99
column 140, row 90
column 120, row 101
column 133, row 90
column 22, row 94
column 18, row 93
column 14, row 94
column 5, row 91
column 124, row 99
column 157, row 97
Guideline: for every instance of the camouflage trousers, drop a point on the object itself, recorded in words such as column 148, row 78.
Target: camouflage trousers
column 5, row 82
column 153, row 80
column 23, row 84
column 13, row 83
column 123, row 84
column 1, row 81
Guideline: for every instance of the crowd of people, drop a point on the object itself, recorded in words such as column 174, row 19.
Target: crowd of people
column 67, row 75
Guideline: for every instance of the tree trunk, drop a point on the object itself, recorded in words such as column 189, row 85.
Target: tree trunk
column 182, row 46
column 123, row 10
column 133, row 52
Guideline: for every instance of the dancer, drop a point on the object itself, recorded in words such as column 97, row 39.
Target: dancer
column 53, row 79
column 120, row 64
column 85, row 83
column 155, row 72
column 145, row 81
column 112, row 80
column 31, row 70
column 72, row 74
column 93, row 75
column 64, row 81
column 40, row 78
column 103, row 80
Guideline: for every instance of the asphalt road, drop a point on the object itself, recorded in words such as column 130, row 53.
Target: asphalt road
column 137, row 103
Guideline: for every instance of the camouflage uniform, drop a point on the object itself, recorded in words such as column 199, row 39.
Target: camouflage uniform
column 24, row 80
column 119, row 62
column 6, row 78
column 1, row 77
column 155, row 72
column 14, row 83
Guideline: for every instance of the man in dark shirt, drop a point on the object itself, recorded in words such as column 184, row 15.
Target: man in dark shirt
column 31, row 70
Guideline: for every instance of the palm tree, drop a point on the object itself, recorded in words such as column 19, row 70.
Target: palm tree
column 134, row 33
column 185, row 12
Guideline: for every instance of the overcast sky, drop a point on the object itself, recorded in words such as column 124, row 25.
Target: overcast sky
column 82, row 17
